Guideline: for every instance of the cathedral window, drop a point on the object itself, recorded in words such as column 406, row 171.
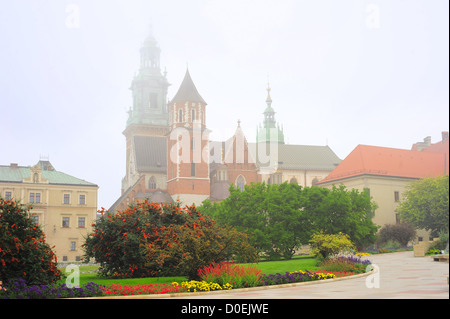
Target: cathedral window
column 180, row 116
column 152, row 183
column 193, row 115
column 275, row 179
column 240, row 182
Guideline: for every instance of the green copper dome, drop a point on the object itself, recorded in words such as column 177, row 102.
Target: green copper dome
column 270, row 131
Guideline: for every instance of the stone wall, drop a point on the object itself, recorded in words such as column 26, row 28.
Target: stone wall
column 422, row 247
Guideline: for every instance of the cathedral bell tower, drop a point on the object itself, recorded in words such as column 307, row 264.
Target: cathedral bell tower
column 148, row 120
column 149, row 89
column 188, row 149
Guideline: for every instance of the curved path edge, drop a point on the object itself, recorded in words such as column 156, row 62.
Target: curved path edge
column 238, row 290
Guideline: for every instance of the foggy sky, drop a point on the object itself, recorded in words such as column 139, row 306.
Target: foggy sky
column 342, row 73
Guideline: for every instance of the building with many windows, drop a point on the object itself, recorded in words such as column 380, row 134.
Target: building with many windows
column 64, row 206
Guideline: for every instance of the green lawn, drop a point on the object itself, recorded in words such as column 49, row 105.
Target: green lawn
column 267, row 267
column 297, row 263
column 86, row 276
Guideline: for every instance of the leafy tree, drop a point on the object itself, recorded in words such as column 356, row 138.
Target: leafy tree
column 244, row 210
column 287, row 226
column 272, row 214
column 426, row 204
column 24, row 252
column 149, row 239
column 280, row 218
column 340, row 210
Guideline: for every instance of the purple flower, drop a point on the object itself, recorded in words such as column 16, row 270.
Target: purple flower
column 18, row 289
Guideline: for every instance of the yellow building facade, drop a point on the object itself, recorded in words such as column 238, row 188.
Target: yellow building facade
column 64, row 206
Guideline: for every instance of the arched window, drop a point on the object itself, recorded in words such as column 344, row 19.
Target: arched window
column 193, row 115
column 180, row 116
column 293, row 180
column 240, row 182
column 152, row 183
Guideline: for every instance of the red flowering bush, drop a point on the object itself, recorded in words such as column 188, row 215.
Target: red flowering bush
column 24, row 253
column 149, row 239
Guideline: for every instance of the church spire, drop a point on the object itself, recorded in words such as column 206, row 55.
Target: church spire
column 269, row 99
column 270, row 131
column 150, row 54
column 188, row 91
column 149, row 88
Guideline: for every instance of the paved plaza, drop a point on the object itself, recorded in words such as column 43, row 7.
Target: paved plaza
column 399, row 276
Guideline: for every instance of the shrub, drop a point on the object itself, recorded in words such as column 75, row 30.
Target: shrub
column 149, row 239
column 24, row 252
column 442, row 244
column 324, row 245
column 349, row 263
column 401, row 233
column 433, row 251
column 391, row 244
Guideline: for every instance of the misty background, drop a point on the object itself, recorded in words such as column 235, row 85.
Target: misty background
column 342, row 73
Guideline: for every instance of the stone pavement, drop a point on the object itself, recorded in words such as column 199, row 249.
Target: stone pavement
column 397, row 276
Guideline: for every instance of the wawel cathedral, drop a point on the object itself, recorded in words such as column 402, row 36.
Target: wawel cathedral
column 169, row 156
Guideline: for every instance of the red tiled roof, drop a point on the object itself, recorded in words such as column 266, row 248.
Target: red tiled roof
column 439, row 147
column 383, row 161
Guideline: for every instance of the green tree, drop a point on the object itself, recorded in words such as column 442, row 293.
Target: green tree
column 280, row 218
column 425, row 204
column 340, row 210
column 287, row 222
column 246, row 211
column 24, row 252
column 272, row 214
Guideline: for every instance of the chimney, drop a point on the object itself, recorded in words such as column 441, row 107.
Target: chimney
column 444, row 136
